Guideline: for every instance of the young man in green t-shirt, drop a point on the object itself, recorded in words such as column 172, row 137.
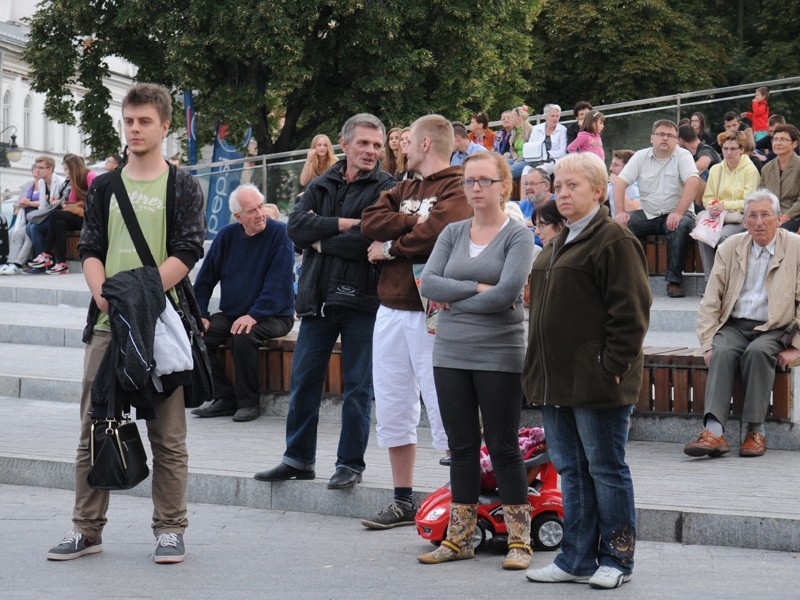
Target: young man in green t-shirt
column 175, row 238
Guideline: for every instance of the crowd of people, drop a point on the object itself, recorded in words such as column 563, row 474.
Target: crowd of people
column 414, row 261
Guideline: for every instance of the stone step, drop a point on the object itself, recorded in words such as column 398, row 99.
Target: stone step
column 41, row 324
column 751, row 503
column 70, row 290
column 675, row 315
column 41, row 372
column 693, row 285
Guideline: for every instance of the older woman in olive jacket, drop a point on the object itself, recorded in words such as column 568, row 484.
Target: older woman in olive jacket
column 590, row 310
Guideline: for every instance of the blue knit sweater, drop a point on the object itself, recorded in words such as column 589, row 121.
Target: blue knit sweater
column 254, row 272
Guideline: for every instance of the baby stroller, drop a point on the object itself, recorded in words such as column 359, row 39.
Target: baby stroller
column 547, row 512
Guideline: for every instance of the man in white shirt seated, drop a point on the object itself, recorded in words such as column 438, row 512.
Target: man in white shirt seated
column 748, row 323
column 668, row 181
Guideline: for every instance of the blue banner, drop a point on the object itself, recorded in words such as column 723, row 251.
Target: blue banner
column 222, row 181
column 191, row 125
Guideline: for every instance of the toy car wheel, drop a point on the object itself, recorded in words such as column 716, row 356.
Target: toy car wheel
column 547, row 531
column 480, row 535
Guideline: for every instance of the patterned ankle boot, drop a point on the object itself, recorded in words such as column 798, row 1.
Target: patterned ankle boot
column 518, row 524
column 460, row 533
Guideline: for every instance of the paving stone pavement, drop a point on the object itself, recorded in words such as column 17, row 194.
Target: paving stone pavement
column 243, row 553
column 728, row 501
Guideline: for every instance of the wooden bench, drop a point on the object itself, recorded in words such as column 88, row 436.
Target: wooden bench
column 674, row 383
column 655, row 250
column 72, row 244
column 275, row 365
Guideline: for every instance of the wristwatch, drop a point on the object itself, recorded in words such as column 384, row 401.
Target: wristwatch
column 387, row 246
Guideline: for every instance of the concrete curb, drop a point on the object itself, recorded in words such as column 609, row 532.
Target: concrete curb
column 684, row 526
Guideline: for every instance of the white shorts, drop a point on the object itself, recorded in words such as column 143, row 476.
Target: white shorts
column 402, row 367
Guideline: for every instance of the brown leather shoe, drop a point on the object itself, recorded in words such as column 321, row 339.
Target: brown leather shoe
column 675, row 290
column 707, row 444
column 754, row 444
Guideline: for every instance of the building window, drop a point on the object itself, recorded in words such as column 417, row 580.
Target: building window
column 6, row 112
column 65, row 137
column 26, row 122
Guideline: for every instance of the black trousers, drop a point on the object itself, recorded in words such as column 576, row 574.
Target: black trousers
column 58, row 224
column 244, row 347
column 497, row 397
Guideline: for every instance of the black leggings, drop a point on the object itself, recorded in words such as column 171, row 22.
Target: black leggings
column 498, row 397
column 58, row 223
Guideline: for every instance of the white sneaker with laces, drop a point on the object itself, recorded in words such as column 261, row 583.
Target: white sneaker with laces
column 608, row 578
column 554, row 574
column 4, row 269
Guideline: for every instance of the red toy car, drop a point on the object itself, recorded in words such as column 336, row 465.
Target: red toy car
column 547, row 512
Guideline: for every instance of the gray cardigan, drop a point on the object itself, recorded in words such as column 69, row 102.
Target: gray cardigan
column 483, row 331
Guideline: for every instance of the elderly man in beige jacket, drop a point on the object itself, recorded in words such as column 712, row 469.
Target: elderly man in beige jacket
column 748, row 323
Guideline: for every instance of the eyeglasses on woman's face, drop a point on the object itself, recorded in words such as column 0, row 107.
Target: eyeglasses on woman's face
column 483, row 182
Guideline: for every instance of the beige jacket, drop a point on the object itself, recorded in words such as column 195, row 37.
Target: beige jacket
column 727, row 279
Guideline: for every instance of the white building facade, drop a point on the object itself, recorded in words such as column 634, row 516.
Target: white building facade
column 23, row 110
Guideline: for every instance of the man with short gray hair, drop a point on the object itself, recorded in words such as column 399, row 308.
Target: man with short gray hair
column 748, row 323
column 252, row 260
column 336, row 296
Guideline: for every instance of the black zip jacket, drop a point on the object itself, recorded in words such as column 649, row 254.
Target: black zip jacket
column 340, row 275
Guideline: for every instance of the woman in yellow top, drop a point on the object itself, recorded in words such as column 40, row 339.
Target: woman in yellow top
column 729, row 182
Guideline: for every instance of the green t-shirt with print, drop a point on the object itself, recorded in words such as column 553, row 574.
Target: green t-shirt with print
column 149, row 200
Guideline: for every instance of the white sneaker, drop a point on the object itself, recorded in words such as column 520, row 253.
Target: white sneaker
column 554, row 574
column 608, row 578
column 10, row 269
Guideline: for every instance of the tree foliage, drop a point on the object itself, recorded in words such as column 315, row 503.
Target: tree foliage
column 315, row 62
column 616, row 50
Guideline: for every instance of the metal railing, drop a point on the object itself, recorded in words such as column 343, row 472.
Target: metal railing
column 627, row 126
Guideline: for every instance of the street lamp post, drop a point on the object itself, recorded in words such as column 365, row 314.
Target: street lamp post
column 9, row 152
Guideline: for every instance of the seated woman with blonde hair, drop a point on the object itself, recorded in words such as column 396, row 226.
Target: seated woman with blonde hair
column 320, row 158
column 729, row 183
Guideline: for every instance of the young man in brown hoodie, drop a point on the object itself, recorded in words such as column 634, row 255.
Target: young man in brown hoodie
column 405, row 224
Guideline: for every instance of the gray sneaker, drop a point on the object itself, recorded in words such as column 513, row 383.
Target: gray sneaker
column 169, row 548
column 75, row 545
column 393, row 515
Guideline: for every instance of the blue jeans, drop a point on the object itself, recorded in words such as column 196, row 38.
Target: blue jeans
column 315, row 342
column 38, row 234
column 677, row 241
column 587, row 447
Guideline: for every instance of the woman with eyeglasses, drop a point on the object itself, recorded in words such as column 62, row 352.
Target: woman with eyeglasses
column 781, row 176
column 698, row 123
column 477, row 271
column 729, row 183
column 547, row 222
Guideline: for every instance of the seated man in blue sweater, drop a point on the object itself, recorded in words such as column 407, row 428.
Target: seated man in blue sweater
column 252, row 260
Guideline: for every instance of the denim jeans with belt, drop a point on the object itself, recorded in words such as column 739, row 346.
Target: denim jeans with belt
column 587, row 447
column 312, row 352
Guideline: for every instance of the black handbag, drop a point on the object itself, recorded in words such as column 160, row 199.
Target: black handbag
column 118, row 458
column 200, row 387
